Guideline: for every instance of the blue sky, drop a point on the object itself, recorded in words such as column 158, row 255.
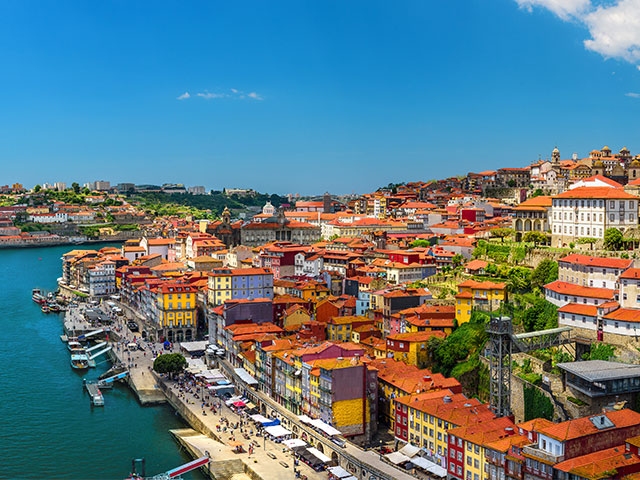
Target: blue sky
column 305, row 96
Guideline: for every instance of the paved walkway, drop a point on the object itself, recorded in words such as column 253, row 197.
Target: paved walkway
column 265, row 465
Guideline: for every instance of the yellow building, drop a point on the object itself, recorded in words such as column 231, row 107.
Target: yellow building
column 294, row 316
column 472, row 441
column 478, row 295
column 425, row 419
column 411, row 348
column 176, row 312
column 339, row 328
column 312, row 291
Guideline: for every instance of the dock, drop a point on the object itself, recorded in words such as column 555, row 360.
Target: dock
column 96, row 395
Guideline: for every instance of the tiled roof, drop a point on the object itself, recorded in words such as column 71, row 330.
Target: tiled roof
column 602, row 262
column 581, row 427
column 597, row 192
column 564, row 288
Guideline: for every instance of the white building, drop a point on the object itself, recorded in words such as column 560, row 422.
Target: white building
column 102, row 278
column 589, row 212
column 592, row 271
column 309, row 264
column 197, row 190
column 60, row 186
column 57, row 217
column 562, row 293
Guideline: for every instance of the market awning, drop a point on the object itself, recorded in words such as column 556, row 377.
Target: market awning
column 326, row 428
column 429, row 466
column 239, row 404
column 397, row 458
column 266, row 422
column 245, row 377
column 294, row 443
column 338, row 472
column 277, row 431
column 319, row 455
column 305, row 419
column 409, row 450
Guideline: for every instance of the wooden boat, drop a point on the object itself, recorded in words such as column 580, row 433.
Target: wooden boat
column 37, row 296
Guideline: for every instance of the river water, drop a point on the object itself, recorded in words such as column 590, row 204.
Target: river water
column 48, row 429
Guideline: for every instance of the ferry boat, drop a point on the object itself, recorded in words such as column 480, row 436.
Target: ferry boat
column 80, row 361
column 37, row 296
column 75, row 347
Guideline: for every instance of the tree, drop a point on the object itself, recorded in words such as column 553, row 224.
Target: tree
column 588, row 240
column 519, row 279
column 511, row 183
column 76, row 187
column 170, row 363
column 545, row 272
column 420, row 243
column 37, row 188
column 537, row 193
column 613, row 239
column 535, row 237
column 86, row 191
column 501, row 233
column 457, row 260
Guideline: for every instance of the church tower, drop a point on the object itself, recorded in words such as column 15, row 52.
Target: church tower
column 555, row 156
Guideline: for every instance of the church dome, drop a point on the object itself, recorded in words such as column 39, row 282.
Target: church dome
column 598, row 164
column 635, row 163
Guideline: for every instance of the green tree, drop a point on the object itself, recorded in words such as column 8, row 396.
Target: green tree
column 491, row 270
column 537, row 193
column 587, row 240
column 599, row 351
column 545, row 272
column 37, row 188
column 511, row 183
column 86, row 191
column 421, row 242
column 501, row 233
column 170, row 363
column 519, row 279
column 613, row 239
column 535, row 237
column 76, row 187
column 457, row 260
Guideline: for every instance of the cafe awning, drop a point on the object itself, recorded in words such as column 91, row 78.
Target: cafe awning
column 338, row 472
column 245, row 377
column 277, row 431
column 319, row 455
column 294, row 443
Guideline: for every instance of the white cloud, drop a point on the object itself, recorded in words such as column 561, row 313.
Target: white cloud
column 633, row 95
column 614, row 26
column 615, row 30
column 208, row 95
column 235, row 94
column 564, row 9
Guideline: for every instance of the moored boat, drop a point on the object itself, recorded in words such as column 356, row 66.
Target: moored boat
column 37, row 296
column 45, row 309
column 80, row 361
column 75, row 346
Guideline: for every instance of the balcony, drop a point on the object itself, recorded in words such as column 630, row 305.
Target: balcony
column 533, row 451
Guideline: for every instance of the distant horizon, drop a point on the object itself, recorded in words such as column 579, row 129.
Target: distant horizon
column 311, row 97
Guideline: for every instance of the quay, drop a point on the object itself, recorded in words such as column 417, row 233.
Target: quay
column 95, row 394
column 269, row 459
